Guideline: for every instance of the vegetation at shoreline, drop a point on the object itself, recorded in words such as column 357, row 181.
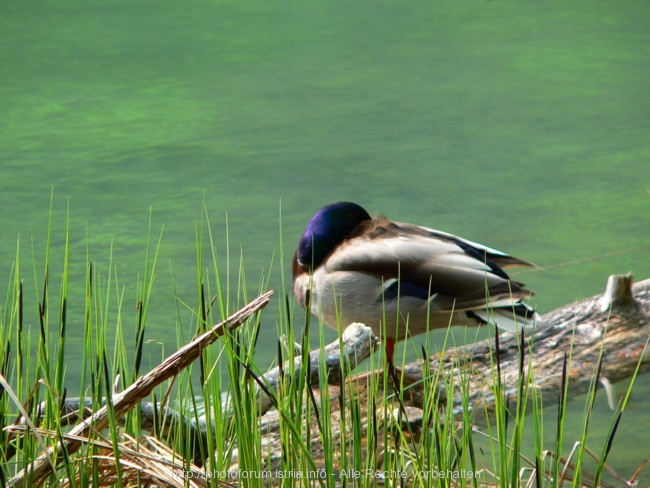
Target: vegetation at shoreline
column 362, row 436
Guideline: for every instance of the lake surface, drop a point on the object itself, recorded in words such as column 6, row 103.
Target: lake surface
column 521, row 125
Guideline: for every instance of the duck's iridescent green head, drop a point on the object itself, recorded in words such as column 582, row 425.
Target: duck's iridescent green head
column 327, row 229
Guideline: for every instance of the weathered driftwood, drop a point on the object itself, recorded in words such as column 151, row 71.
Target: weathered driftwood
column 358, row 341
column 614, row 326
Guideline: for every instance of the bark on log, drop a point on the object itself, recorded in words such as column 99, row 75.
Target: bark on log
column 358, row 341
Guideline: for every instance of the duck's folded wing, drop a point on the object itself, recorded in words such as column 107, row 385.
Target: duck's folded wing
column 424, row 264
column 499, row 258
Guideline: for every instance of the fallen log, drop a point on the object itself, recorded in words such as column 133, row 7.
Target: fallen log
column 612, row 328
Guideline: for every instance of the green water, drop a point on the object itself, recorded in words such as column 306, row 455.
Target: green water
column 522, row 125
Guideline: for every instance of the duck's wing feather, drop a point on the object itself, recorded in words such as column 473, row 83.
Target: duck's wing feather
column 423, row 262
column 482, row 252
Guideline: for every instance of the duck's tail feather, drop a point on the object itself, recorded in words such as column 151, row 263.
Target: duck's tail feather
column 512, row 317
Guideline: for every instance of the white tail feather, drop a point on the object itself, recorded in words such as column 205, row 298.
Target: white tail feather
column 506, row 319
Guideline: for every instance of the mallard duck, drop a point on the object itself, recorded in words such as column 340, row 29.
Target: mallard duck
column 402, row 279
